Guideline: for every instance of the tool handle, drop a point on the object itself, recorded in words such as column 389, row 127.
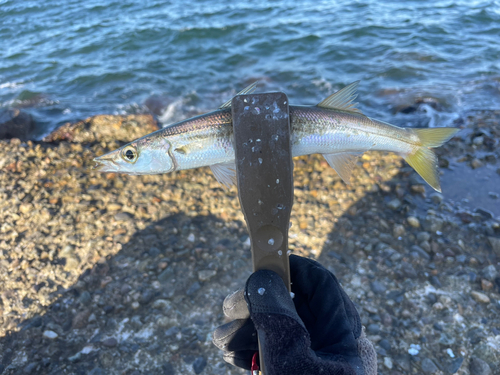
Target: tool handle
column 261, row 124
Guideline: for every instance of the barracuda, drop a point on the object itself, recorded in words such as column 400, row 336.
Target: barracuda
column 334, row 128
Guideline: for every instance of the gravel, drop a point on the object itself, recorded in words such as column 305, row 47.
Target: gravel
column 115, row 274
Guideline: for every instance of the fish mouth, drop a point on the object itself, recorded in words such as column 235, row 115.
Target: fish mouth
column 105, row 164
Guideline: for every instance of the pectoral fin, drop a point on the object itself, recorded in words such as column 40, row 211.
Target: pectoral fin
column 343, row 163
column 225, row 173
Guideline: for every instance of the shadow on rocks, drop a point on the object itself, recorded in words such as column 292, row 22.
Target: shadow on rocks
column 149, row 309
column 425, row 283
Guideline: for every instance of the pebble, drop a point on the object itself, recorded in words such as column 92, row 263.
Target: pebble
column 479, row 367
column 495, row 244
column 373, row 329
column 205, row 275
column 436, row 198
column 398, row 231
column 50, row 334
column 476, row 163
column 388, row 362
column 486, row 285
column 423, row 236
column 428, row 366
column 199, row 365
column 490, row 272
column 377, row 287
column 85, row 298
column 123, row 216
column 110, row 342
column 420, row 252
column 418, row 189
column 394, row 204
column 480, row 297
column 413, row 221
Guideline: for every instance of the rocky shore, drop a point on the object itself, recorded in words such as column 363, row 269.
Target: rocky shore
column 117, row 274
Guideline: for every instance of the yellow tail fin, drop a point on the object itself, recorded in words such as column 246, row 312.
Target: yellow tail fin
column 424, row 160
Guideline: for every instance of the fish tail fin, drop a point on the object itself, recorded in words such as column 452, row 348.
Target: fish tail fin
column 424, row 160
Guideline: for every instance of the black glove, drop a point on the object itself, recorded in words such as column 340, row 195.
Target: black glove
column 318, row 332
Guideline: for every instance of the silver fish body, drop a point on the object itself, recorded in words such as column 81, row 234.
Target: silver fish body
column 334, row 128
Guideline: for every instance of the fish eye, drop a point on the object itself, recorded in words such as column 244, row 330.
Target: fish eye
column 129, row 154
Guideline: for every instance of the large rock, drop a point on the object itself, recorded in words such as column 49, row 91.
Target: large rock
column 15, row 123
column 105, row 128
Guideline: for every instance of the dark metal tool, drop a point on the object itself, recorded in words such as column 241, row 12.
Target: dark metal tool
column 264, row 168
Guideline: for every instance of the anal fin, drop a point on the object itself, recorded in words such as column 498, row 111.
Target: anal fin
column 343, row 163
column 225, row 173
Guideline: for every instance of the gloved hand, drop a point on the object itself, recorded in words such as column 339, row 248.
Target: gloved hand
column 318, row 332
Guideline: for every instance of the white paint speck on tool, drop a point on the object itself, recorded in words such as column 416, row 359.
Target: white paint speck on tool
column 292, row 294
column 277, row 180
column 280, row 253
column 289, row 252
column 271, row 241
column 261, row 291
column 450, row 353
column 260, row 160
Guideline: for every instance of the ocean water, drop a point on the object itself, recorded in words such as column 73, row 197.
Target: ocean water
column 421, row 63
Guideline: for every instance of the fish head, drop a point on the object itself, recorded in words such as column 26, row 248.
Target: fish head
column 146, row 155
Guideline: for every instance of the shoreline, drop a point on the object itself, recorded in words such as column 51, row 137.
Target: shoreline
column 101, row 271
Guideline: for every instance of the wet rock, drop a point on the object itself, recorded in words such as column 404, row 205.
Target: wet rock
column 107, row 128
column 199, row 365
column 428, row 366
column 480, row 297
column 15, row 123
column 479, row 367
column 384, row 343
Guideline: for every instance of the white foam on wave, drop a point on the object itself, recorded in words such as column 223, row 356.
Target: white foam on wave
column 11, row 85
column 438, row 119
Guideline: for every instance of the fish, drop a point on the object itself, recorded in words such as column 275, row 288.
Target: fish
column 335, row 128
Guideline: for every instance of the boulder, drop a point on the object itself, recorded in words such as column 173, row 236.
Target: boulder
column 107, row 128
column 15, row 123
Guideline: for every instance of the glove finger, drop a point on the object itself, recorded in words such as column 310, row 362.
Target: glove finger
column 329, row 315
column 235, row 306
column 242, row 359
column 267, row 294
column 238, row 335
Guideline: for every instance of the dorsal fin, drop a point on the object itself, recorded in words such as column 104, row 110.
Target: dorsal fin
column 246, row 90
column 343, row 100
